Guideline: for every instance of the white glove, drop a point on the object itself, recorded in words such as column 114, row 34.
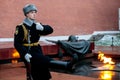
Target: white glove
column 39, row 27
column 27, row 57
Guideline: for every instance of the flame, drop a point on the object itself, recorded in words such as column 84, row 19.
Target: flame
column 15, row 55
column 105, row 59
column 106, row 75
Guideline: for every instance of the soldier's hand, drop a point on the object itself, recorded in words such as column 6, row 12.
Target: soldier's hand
column 27, row 57
column 39, row 26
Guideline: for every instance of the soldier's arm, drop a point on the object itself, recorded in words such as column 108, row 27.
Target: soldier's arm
column 18, row 41
column 47, row 29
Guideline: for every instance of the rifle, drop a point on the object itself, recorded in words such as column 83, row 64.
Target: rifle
column 29, row 76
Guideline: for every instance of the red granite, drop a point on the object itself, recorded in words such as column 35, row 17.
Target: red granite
column 17, row 72
column 111, row 51
column 66, row 17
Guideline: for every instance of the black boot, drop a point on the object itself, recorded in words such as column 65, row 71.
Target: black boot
column 58, row 64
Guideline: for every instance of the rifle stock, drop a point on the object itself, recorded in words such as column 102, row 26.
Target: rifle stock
column 29, row 76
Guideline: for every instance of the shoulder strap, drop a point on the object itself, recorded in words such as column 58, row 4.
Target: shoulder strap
column 25, row 33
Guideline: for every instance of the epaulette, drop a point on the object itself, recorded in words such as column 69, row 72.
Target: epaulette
column 25, row 32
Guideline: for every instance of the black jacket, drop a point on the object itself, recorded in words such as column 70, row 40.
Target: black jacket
column 39, row 62
column 35, row 36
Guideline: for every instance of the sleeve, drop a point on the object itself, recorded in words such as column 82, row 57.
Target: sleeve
column 47, row 30
column 18, row 41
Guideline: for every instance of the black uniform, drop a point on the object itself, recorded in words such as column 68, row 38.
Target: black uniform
column 39, row 62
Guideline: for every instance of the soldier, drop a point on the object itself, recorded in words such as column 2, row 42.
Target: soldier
column 26, row 42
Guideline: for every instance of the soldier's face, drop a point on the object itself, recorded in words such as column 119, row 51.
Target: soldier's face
column 31, row 15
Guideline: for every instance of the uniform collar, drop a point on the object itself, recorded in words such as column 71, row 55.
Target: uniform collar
column 28, row 21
